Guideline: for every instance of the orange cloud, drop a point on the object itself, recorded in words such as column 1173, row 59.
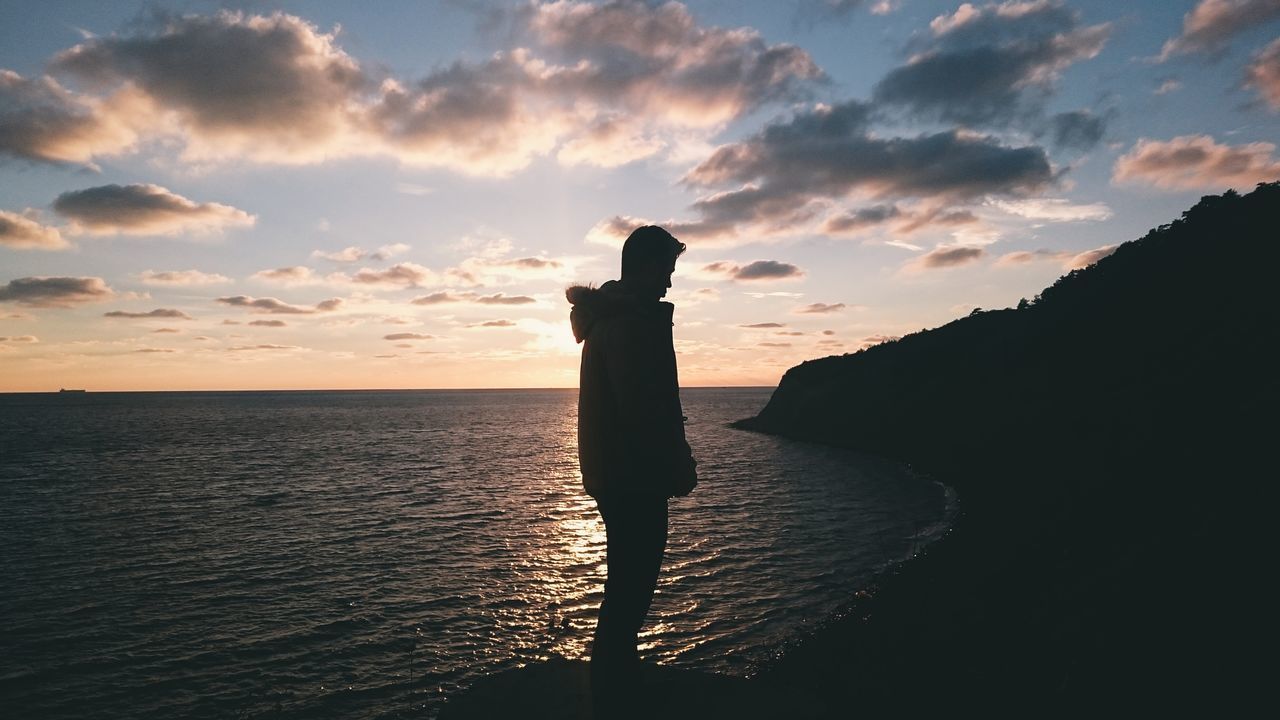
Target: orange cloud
column 1194, row 162
column 1212, row 23
column 1263, row 74
column 24, row 233
column 42, row 121
column 181, row 278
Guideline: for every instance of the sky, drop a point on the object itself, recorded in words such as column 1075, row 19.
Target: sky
column 290, row 195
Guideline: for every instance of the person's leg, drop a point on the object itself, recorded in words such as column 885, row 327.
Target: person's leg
column 636, row 532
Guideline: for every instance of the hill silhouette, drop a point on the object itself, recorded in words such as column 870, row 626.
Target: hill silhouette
column 1110, row 442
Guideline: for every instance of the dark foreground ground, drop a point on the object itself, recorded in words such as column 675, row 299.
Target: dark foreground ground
column 562, row 689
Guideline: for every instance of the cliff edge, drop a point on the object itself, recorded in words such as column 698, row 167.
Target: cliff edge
column 1109, row 441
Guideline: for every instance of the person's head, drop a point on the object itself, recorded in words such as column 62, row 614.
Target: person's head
column 648, row 259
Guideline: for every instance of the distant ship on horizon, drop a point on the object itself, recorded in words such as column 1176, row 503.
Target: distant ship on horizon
column 71, row 390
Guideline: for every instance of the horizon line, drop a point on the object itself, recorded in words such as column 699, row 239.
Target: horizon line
column 400, row 389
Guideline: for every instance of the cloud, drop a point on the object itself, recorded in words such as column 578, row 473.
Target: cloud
column 1076, row 130
column 774, row 344
column 345, row 255
column 181, row 278
column 355, row 254
column 25, row 233
column 763, row 325
column 19, row 339
column 157, row 313
column 1212, row 23
column 278, row 307
column 439, row 298
column 166, row 330
column 947, row 257
column 1195, row 162
column 289, row 276
column 270, row 88
column 1022, row 257
column 825, row 154
column 862, row 219
column 144, row 210
column 896, row 220
column 819, row 308
column 263, row 346
column 501, row 299
column 387, row 252
column 531, row 263
column 155, row 350
column 656, row 60
column 1089, row 257
column 1054, row 209
column 41, row 121
column 610, row 142
column 605, row 83
column 990, row 65
column 1168, row 85
column 490, row 267
column 268, row 323
column 408, row 336
column 494, row 323
column 404, row 274
column 55, row 292
column 755, row 270
column 1263, row 74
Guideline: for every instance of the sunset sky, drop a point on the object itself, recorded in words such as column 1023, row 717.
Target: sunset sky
column 396, row 194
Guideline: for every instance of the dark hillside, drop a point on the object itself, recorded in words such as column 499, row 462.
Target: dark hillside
column 1111, row 443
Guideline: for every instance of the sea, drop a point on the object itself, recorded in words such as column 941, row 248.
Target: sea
column 367, row 554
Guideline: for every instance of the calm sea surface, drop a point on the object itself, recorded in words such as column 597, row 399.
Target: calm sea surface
column 364, row 554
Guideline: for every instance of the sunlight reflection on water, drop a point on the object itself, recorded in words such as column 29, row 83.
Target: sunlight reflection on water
column 357, row 554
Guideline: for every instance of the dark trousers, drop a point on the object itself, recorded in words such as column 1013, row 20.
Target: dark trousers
column 636, row 528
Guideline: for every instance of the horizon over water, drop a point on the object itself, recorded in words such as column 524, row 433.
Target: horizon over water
column 364, row 554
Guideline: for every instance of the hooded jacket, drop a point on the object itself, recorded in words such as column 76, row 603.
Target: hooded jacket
column 630, row 424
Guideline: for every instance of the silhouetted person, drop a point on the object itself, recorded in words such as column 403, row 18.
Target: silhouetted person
column 631, row 443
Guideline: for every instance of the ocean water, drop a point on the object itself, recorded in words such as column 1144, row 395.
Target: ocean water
column 365, row 554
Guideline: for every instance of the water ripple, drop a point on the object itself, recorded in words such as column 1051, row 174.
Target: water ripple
column 361, row 555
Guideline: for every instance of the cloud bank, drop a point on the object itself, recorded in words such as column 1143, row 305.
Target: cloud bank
column 993, row 65
column 605, row 83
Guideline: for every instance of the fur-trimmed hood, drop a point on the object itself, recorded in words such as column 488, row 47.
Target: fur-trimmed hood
column 592, row 304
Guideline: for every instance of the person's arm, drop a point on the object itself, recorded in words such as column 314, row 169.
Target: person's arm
column 649, row 409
